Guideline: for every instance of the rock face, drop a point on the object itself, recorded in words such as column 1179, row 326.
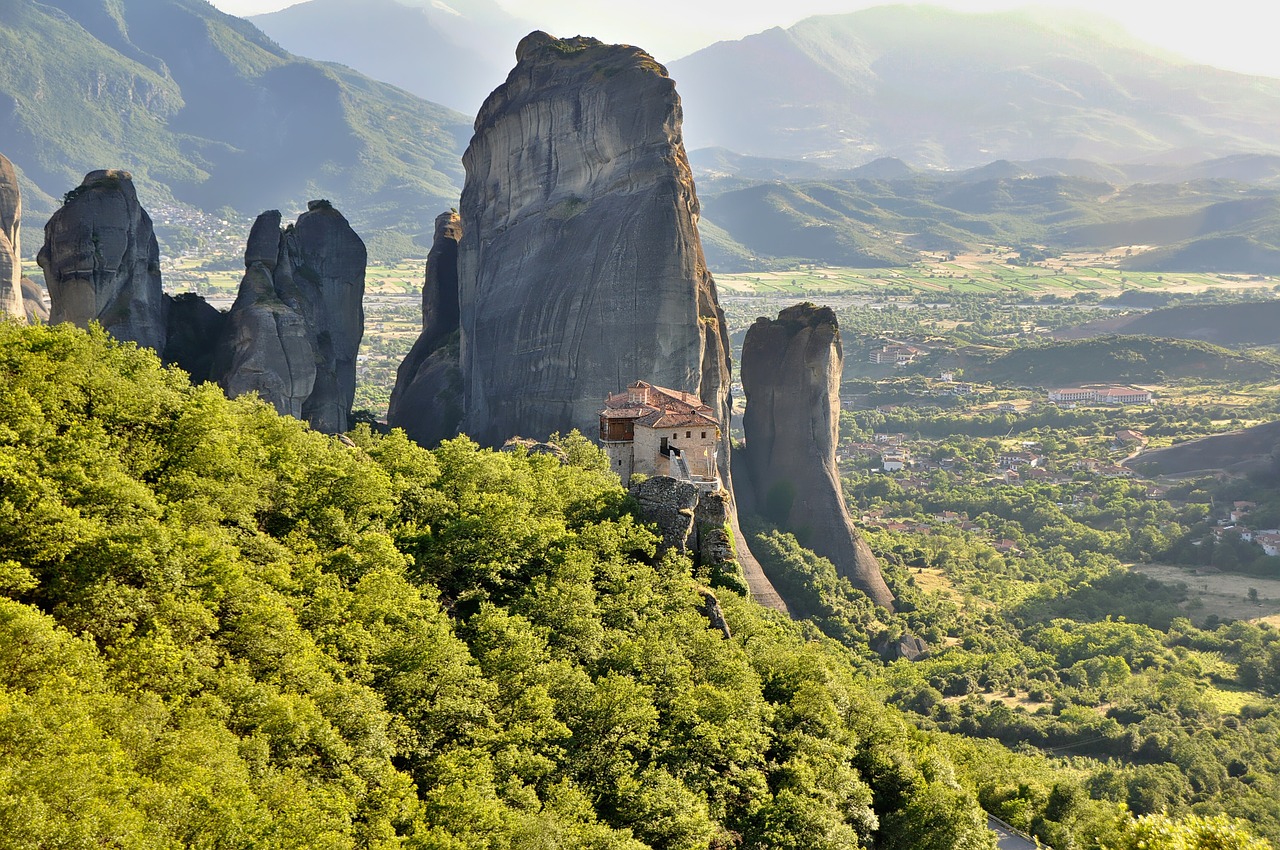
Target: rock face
column 10, row 245
column 101, row 261
column 791, row 377
column 427, row 399
column 693, row 522
column 193, row 328
column 33, row 301
column 580, row 267
column 295, row 328
column 267, row 347
column 333, row 260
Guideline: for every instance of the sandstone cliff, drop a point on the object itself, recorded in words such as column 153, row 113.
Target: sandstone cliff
column 427, row 399
column 791, row 378
column 295, row 328
column 101, row 261
column 10, row 246
column 33, row 302
column 580, row 266
column 266, row 347
column 332, row 263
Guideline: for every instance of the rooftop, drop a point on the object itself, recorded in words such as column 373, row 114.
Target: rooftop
column 658, row 407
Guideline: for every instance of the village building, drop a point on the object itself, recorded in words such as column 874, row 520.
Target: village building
column 1100, row 395
column 894, row 461
column 1270, row 544
column 1122, row 395
column 650, row 430
column 1017, row 460
column 1071, row 394
column 897, row 354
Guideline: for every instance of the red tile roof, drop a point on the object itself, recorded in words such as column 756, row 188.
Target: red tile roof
column 663, row 408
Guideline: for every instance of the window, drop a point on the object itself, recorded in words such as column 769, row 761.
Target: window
column 688, row 435
column 704, row 435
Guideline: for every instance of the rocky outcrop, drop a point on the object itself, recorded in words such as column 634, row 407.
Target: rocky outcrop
column 267, row 347
column 692, row 522
column 295, row 328
column 10, row 244
column 1251, row 451
column 715, row 614
column 533, row 447
column 791, row 378
column 101, row 261
column 580, row 266
column 905, row 647
column 427, row 399
column 669, row 504
column 33, row 302
column 193, row 327
column 332, row 263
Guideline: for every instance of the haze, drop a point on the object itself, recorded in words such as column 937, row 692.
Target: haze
column 1232, row 34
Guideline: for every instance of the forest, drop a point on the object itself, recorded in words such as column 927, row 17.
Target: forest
column 220, row 629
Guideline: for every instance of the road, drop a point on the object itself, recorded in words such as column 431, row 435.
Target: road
column 1006, row 838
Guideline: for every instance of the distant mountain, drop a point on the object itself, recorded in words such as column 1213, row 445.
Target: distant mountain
column 1201, row 225
column 944, row 89
column 205, row 109
column 1108, row 359
column 1243, row 324
column 453, row 53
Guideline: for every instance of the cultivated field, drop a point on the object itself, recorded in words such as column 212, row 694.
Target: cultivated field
column 982, row 273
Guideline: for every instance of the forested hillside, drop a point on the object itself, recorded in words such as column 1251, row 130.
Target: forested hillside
column 218, row 628
column 204, row 109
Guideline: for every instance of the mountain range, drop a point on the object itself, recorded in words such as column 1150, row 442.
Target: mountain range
column 204, row 109
column 1205, row 224
column 945, row 89
column 821, row 142
column 454, row 54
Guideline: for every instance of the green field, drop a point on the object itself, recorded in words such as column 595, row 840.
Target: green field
column 976, row 276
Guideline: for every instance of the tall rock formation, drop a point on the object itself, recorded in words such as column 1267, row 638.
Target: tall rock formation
column 295, row 328
column 791, row 377
column 580, row 268
column 332, row 263
column 10, row 245
column 101, row 261
column 427, row 399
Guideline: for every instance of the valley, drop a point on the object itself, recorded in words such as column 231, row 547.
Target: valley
column 987, row 273
column 933, row 357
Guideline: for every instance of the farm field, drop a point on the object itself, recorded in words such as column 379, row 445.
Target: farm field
column 981, row 273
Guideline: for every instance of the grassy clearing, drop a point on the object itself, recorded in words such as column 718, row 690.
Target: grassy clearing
column 1223, row 594
column 1230, row 700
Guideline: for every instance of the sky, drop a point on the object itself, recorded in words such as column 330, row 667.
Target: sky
column 1239, row 35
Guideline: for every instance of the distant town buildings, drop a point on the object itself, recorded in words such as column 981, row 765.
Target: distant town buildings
column 895, row 461
column 1018, row 460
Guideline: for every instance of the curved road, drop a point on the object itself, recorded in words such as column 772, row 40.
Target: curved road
column 1006, row 837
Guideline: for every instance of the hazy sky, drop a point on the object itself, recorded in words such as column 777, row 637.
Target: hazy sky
column 1235, row 34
